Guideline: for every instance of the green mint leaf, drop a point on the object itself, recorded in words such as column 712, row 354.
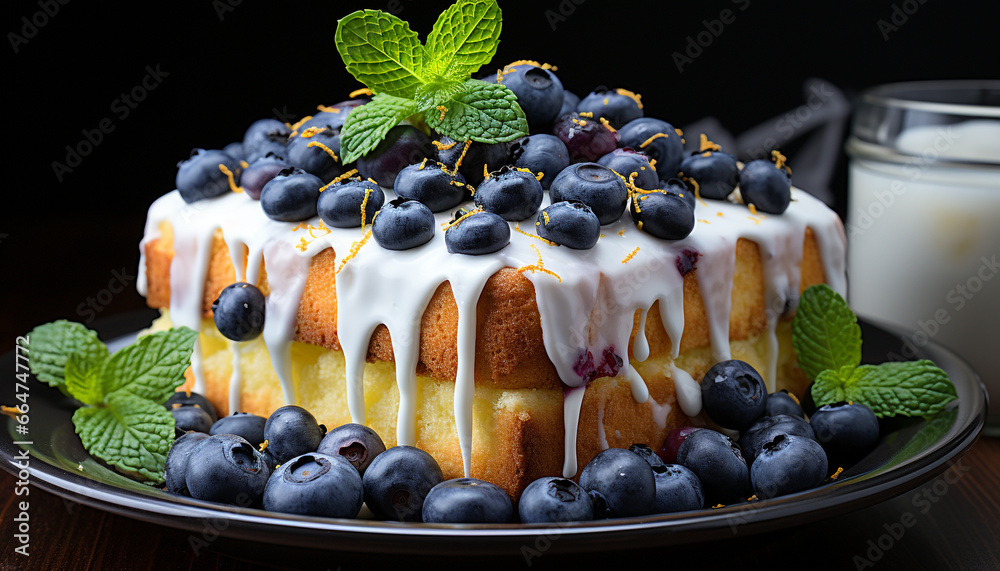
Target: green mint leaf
column 825, row 332
column 131, row 433
column 438, row 92
column 367, row 125
column 482, row 112
column 831, row 385
column 913, row 388
column 381, row 51
column 464, row 38
column 50, row 346
column 83, row 379
column 152, row 367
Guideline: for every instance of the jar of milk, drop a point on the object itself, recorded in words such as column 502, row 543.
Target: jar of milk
column 923, row 220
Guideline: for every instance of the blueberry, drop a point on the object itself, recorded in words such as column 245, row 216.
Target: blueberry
column 291, row 431
column 467, row 500
column 398, row 480
column 733, row 394
column 550, row 499
column 510, row 193
column 718, row 463
column 431, row 184
column 570, row 223
column 234, row 150
column 620, row 483
column 333, row 119
column 339, row 205
column 477, row 234
column 647, row 454
column 752, row 440
column 403, row 145
column 239, row 312
column 226, row 468
column 191, row 398
column 259, row 172
column 403, row 224
column 542, row 154
column 680, row 188
column 765, row 186
column 315, row 484
column 646, row 134
column 264, row 135
column 596, row 186
column 626, row 162
column 782, row 402
column 177, row 458
column 788, row 464
column 200, row 176
column 586, row 139
column 317, row 153
column 539, row 92
column 673, row 441
column 663, row 214
column 846, row 431
column 618, row 106
column 355, row 442
column 191, row 418
column 477, row 160
column 570, row 101
column 715, row 172
column 291, row 195
column 249, row 426
column 677, row 489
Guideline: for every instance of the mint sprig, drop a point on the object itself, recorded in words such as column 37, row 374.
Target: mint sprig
column 51, row 345
column 827, row 341
column 430, row 82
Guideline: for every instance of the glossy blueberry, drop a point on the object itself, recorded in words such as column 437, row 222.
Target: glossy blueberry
column 594, row 185
column 542, row 154
column 403, row 145
column 680, row 188
column 199, row 176
column 586, row 139
column 177, row 458
column 620, row 483
column 626, row 162
column 249, row 426
column 291, row 195
column 333, row 119
column 226, row 468
column 782, row 402
column 234, row 150
column 570, row 223
column 647, row 454
column 719, row 465
column 765, row 186
column 339, row 205
column 291, row 431
column 467, row 500
column 570, row 101
column 677, row 489
column 191, row 398
column 398, row 480
column 752, row 440
column 478, row 234
column 264, row 135
column 315, row 484
column 512, row 194
column 668, row 151
column 239, row 312
column 846, row 431
column 403, row 224
column 716, row 173
column 788, row 464
column 539, row 92
column 355, row 442
column 551, row 499
column 733, row 394
column 663, row 214
column 612, row 104
column 479, row 159
column 317, row 154
column 435, row 187
column 191, row 418
column 260, row 172
column 673, row 441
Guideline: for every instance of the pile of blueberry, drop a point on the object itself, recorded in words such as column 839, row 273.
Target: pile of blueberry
column 597, row 157
column 290, row 463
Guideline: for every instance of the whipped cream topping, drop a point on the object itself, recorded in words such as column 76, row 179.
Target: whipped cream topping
column 587, row 299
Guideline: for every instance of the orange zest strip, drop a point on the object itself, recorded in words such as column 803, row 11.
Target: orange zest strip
column 608, row 125
column 539, row 267
column 340, row 178
column 326, row 109
column 631, row 255
column 244, row 164
column 461, row 218
column 643, row 144
column 362, row 91
column 325, row 148
column 443, row 110
column 588, row 114
column 443, row 147
column 707, row 145
column 517, row 228
column 232, row 181
column 634, row 96
column 308, row 133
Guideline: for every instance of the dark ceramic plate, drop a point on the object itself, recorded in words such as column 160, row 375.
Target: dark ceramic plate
column 910, row 452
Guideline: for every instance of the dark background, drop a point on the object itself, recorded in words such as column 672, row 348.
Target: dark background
column 227, row 65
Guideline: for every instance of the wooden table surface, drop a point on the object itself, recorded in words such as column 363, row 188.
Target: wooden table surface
column 951, row 522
